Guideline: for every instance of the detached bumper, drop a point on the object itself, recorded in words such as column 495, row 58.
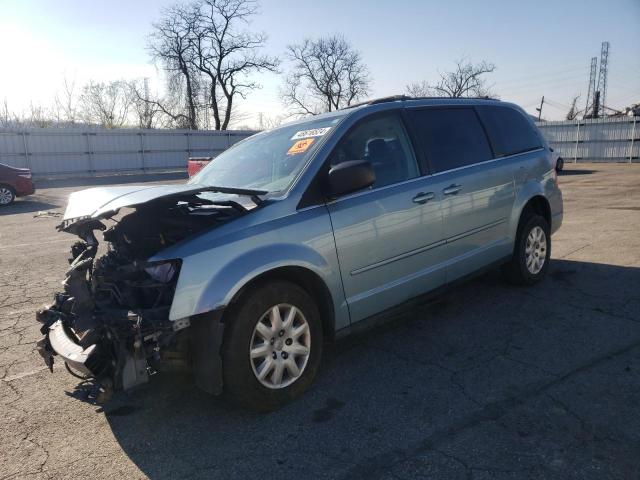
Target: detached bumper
column 72, row 353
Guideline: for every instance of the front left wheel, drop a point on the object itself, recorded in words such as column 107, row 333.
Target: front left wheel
column 273, row 345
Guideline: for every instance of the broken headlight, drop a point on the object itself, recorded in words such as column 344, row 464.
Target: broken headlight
column 163, row 272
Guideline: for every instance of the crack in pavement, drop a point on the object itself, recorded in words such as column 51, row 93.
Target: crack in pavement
column 491, row 412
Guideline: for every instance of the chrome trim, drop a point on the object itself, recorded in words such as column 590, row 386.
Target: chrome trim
column 475, row 230
column 425, row 248
column 404, row 255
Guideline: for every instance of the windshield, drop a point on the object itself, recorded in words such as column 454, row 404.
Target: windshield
column 267, row 161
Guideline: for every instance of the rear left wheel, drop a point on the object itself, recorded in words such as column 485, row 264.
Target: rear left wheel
column 532, row 252
column 272, row 347
column 7, row 195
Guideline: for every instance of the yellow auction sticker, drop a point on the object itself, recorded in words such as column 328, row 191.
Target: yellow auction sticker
column 300, row 146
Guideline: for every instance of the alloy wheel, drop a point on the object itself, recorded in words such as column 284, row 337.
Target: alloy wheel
column 6, row 196
column 280, row 346
column 536, row 250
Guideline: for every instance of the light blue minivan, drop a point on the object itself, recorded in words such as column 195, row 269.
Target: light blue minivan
column 295, row 236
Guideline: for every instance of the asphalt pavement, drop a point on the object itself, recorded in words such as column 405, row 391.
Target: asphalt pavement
column 490, row 382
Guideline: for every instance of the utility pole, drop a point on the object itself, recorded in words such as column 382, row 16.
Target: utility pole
column 596, row 104
column 592, row 86
column 147, row 122
column 540, row 108
column 602, row 74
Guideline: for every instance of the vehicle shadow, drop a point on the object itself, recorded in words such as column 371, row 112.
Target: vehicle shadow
column 404, row 389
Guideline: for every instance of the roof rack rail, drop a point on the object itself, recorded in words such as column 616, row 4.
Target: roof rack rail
column 397, row 98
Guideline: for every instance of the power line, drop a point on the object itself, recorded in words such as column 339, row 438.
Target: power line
column 548, row 75
column 534, row 80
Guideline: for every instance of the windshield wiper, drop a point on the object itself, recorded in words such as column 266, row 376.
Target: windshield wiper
column 253, row 194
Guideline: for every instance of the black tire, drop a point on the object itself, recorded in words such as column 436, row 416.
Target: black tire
column 240, row 382
column 6, row 192
column 559, row 164
column 516, row 270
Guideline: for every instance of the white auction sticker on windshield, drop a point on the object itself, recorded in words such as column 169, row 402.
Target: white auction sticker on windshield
column 315, row 132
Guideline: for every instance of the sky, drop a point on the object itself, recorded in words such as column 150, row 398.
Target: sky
column 539, row 47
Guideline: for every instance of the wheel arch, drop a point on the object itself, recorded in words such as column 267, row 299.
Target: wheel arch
column 535, row 204
column 9, row 186
column 308, row 280
column 539, row 205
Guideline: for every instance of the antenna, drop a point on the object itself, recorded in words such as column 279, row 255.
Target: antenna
column 602, row 75
column 591, row 91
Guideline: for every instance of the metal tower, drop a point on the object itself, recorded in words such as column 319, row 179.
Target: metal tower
column 591, row 91
column 602, row 75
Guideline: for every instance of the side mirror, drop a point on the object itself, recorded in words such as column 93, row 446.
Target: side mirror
column 350, row 176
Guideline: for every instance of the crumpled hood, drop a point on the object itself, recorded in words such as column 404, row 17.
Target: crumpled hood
column 102, row 202
column 95, row 202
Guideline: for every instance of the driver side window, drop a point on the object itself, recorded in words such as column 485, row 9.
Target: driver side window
column 383, row 141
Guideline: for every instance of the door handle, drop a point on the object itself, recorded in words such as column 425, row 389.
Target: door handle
column 422, row 197
column 452, row 189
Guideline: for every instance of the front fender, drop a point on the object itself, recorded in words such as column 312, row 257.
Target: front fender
column 211, row 277
column 228, row 281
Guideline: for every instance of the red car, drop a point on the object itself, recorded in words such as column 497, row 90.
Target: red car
column 195, row 164
column 14, row 182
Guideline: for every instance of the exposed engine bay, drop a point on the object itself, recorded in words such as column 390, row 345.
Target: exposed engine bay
column 111, row 322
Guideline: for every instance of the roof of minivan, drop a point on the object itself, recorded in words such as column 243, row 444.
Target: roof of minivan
column 405, row 100
column 426, row 101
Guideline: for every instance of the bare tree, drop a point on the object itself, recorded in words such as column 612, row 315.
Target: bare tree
column 573, row 112
column 467, row 80
column 143, row 104
column 66, row 103
column 205, row 51
column 170, row 45
column 106, row 103
column 227, row 55
column 267, row 122
column 328, row 74
column 39, row 116
column 7, row 118
column 419, row 89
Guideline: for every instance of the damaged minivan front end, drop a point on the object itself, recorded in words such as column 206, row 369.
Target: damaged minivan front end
column 111, row 321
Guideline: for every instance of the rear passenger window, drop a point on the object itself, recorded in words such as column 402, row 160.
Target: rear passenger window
column 510, row 132
column 450, row 138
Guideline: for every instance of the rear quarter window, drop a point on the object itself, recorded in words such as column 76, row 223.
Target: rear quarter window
column 508, row 129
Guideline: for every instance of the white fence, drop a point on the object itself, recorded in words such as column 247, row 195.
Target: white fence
column 614, row 139
column 59, row 152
